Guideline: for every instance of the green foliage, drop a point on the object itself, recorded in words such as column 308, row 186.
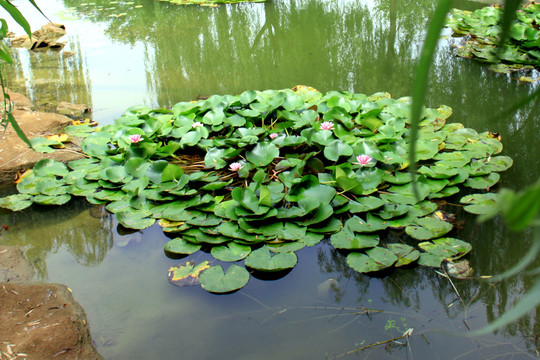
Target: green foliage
column 261, row 186
column 485, row 34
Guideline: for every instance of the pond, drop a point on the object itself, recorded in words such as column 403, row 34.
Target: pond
column 154, row 53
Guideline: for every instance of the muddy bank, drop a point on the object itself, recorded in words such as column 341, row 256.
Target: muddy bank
column 39, row 320
column 15, row 155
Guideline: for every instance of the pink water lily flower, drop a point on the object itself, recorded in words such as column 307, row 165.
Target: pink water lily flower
column 273, row 135
column 235, row 166
column 197, row 124
column 327, row 125
column 135, row 138
column 363, row 159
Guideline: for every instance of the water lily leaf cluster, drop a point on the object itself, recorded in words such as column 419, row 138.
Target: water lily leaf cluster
column 256, row 177
column 482, row 30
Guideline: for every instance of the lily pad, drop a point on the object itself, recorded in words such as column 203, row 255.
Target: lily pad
column 441, row 249
column 16, row 202
column 262, row 260
column 181, row 246
column 187, row 274
column 374, row 259
column 347, row 239
column 230, row 252
column 480, row 203
column 215, row 280
column 406, row 254
column 428, row 228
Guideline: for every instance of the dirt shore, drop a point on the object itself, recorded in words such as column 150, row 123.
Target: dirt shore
column 39, row 320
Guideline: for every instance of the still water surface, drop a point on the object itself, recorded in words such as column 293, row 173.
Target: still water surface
column 158, row 54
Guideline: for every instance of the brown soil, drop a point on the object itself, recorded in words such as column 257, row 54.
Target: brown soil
column 15, row 155
column 39, row 320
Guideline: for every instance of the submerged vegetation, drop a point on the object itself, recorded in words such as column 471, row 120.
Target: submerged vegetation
column 483, row 30
column 263, row 174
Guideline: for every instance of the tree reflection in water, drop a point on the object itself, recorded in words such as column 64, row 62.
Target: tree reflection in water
column 85, row 230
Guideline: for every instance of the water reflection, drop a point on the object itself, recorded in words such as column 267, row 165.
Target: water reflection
column 365, row 46
column 49, row 77
column 86, row 231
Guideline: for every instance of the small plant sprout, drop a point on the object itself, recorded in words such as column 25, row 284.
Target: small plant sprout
column 197, row 124
column 327, row 125
column 363, row 159
column 273, row 135
column 235, row 166
column 135, row 138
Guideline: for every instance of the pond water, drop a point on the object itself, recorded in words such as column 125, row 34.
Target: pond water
column 154, row 53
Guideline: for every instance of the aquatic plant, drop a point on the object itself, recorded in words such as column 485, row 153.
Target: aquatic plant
column 483, row 31
column 234, row 186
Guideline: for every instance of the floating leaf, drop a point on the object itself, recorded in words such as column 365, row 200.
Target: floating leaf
column 428, row 228
column 480, row 203
column 262, row 260
column 187, row 274
column 135, row 219
column 181, row 246
column 216, row 280
column 406, row 254
column 230, row 252
column 374, row 259
column 441, row 249
column 262, row 154
column 16, row 202
column 347, row 239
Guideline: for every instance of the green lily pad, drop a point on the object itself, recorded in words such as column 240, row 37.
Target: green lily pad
column 482, row 182
column 347, row 239
column 312, row 238
column 215, row 280
column 49, row 167
column 51, row 199
column 230, row 252
column 181, row 246
column 428, row 228
column 371, row 224
column 16, row 202
column 441, row 249
column 406, row 254
column 375, row 259
column 135, row 219
column 262, row 260
column 480, row 204
column 262, row 154
column 365, row 203
column 285, row 246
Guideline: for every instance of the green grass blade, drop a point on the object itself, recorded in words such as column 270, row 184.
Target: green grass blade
column 17, row 16
column 509, row 15
column 438, row 22
column 37, row 7
column 17, row 129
